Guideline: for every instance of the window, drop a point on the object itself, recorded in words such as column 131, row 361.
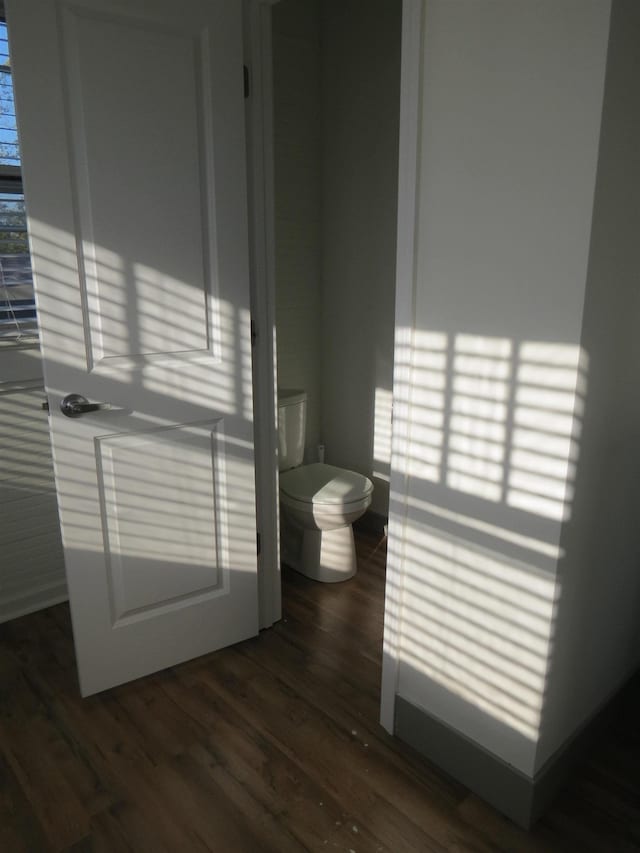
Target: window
column 17, row 305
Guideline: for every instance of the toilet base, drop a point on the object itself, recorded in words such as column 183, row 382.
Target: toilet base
column 328, row 555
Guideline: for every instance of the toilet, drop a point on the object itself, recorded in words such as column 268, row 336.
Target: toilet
column 318, row 502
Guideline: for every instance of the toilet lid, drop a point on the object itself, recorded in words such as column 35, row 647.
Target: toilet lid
column 324, row 484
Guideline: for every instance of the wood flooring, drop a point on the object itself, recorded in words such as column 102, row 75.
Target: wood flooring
column 272, row 745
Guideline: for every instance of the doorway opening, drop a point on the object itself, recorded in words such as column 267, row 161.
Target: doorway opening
column 328, row 74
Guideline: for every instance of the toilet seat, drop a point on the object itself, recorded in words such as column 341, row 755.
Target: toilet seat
column 339, row 509
column 324, row 486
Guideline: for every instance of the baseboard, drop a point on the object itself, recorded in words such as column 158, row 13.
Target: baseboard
column 497, row 782
column 522, row 798
column 33, row 602
column 554, row 774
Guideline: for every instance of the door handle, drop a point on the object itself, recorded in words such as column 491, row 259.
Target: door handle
column 75, row 405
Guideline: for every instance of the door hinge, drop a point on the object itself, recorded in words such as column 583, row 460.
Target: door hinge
column 254, row 333
column 258, row 544
column 245, row 71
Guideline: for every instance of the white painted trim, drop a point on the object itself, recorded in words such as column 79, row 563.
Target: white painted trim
column 259, row 125
column 410, row 89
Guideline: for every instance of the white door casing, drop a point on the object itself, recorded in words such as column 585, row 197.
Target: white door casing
column 132, row 138
column 259, row 126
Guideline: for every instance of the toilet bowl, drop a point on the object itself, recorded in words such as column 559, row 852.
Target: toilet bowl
column 319, row 502
column 323, row 501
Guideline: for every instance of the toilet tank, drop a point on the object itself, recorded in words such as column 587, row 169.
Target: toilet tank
column 292, row 423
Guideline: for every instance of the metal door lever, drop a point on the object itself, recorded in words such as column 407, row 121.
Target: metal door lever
column 75, row 405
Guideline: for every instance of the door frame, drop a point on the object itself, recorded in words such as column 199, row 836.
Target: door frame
column 399, row 474
column 260, row 169
column 261, row 190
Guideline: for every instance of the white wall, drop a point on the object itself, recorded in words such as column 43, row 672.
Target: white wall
column 597, row 646
column 360, row 106
column 296, row 82
column 509, row 125
column 31, row 562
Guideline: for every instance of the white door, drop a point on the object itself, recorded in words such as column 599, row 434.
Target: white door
column 131, row 124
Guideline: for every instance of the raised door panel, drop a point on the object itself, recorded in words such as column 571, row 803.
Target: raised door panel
column 140, row 106
column 164, row 516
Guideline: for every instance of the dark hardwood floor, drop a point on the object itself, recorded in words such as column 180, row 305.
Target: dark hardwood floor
column 271, row 745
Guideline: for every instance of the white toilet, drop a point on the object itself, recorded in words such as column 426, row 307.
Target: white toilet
column 318, row 502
